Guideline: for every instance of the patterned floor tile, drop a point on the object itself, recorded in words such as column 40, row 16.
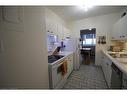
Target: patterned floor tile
column 87, row 77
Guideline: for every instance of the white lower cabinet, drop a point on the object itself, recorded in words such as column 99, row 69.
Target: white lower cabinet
column 70, row 64
column 108, row 72
column 124, row 81
column 106, row 67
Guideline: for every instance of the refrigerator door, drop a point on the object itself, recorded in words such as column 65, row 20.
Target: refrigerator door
column 77, row 56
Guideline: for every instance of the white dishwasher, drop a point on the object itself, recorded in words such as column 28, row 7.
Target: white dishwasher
column 116, row 78
column 124, row 81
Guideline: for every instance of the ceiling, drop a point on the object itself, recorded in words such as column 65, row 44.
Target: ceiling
column 71, row 13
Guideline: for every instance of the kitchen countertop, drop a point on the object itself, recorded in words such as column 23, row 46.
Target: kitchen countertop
column 64, row 53
column 122, row 52
column 122, row 66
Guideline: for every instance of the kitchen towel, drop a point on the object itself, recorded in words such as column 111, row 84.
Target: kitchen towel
column 64, row 68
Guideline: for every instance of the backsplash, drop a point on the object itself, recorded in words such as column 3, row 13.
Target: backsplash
column 121, row 44
column 125, row 45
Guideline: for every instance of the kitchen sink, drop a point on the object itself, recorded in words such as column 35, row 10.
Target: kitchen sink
column 53, row 58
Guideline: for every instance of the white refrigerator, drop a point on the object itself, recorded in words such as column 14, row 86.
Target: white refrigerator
column 73, row 44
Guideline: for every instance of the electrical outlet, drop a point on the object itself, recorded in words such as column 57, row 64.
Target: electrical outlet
column 1, row 46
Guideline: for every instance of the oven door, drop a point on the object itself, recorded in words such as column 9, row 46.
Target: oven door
column 57, row 73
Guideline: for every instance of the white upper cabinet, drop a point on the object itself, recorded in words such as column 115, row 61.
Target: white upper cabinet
column 66, row 33
column 56, row 26
column 60, row 31
column 124, row 27
column 11, row 18
column 116, row 32
column 120, row 29
column 50, row 27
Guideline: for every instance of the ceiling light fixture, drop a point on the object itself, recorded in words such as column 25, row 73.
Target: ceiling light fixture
column 85, row 7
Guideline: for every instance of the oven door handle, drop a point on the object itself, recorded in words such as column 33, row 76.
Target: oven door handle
column 56, row 66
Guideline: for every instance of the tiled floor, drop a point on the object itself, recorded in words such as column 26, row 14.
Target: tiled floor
column 87, row 77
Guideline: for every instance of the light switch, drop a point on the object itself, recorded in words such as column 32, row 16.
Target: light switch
column 1, row 46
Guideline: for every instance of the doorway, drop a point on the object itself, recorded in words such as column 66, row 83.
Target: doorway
column 88, row 46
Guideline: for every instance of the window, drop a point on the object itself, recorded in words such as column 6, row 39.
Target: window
column 89, row 40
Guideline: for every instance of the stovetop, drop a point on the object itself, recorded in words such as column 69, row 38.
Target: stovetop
column 53, row 58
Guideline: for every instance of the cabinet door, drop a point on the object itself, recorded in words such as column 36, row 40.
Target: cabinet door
column 109, row 72
column 124, row 27
column 12, row 18
column 124, row 81
column 66, row 33
column 120, row 29
column 105, row 69
column 102, row 63
column 69, row 33
column 49, row 26
column 116, row 32
column 60, row 32
column 106, row 66
column 55, row 29
column 70, row 63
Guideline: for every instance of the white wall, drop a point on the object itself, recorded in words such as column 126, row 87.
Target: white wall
column 103, row 25
column 50, row 15
column 24, row 64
